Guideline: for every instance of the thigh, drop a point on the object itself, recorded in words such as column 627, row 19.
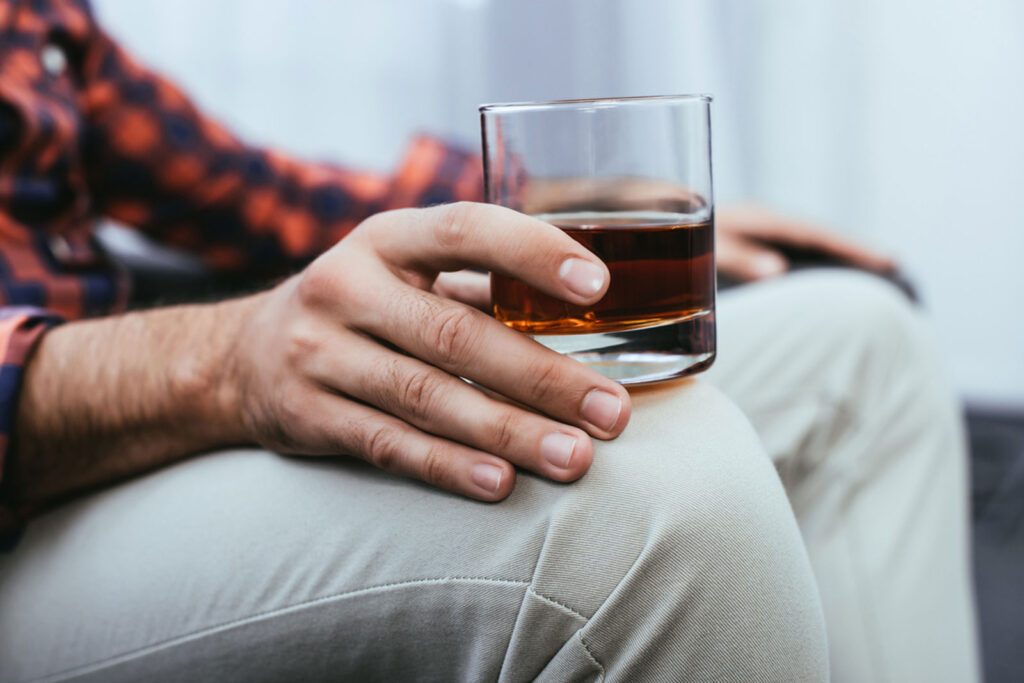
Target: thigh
column 842, row 380
column 245, row 565
column 804, row 357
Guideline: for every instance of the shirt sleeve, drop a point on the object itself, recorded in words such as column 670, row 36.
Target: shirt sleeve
column 20, row 329
column 154, row 161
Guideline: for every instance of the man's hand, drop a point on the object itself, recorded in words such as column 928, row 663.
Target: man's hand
column 355, row 355
column 752, row 243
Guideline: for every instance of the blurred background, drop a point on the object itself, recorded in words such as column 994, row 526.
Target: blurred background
column 893, row 121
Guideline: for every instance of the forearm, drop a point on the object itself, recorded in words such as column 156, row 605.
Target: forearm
column 350, row 357
column 110, row 398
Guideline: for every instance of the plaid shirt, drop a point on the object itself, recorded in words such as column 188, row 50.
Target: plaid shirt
column 87, row 132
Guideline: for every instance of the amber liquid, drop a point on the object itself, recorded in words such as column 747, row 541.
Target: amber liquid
column 662, row 270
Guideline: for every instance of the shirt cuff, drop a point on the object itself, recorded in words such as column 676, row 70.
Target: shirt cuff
column 21, row 328
column 435, row 172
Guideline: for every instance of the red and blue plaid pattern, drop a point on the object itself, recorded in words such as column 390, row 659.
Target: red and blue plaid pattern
column 87, row 132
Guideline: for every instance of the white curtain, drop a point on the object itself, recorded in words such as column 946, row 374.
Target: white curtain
column 898, row 121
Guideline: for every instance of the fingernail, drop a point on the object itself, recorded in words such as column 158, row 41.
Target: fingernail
column 487, row 477
column 769, row 264
column 557, row 449
column 582, row 277
column 601, row 409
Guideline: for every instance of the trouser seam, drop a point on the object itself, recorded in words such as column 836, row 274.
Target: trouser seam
column 209, row 630
column 590, row 655
column 558, row 604
column 579, row 633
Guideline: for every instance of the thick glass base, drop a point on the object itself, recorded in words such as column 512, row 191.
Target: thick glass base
column 644, row 355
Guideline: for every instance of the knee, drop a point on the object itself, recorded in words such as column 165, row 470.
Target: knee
column 715, row 547
column 864, row 315
column 694, row 463
column 718, row 499
column 885, row 357
column 711, row 498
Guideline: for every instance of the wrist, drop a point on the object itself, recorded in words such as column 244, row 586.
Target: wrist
column 213, row 381
column 109, row 398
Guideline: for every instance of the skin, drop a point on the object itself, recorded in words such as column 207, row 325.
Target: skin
column 355, row 355
column 749, row 244
column 748, row 239
column 361, row 355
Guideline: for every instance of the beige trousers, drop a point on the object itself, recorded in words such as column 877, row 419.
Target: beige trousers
column 677, row 557
column 841, row 380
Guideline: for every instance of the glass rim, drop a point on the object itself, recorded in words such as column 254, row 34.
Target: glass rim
column 568, row 104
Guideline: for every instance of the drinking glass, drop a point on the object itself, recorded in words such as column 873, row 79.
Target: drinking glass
column 630, row 179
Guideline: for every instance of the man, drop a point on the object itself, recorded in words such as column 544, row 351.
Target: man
column 677, row 556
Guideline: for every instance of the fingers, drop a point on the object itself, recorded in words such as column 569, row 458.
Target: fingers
column 454, row 236
column 389, row 444
column 467, row 343
column 410, row 414
column 747, row 260
column 469, row 287
column 608, row 194
column 443, row 405
column 809, row 237
column 768, row 227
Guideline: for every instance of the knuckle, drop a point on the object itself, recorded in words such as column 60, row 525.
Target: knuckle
column 546, row 381
column 301, row 343
column 377, row 221
column 315, row 285
column 455, row 225
column 437, row 468
column 292, row 408
column 504, row 432
column 419, row 393
column 452, row 335
column 381, row 448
